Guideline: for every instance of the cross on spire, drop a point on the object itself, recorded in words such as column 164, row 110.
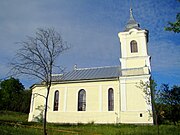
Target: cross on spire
column 131, row 14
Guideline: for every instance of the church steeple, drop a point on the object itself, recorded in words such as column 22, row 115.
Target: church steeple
column 134, row 47
column 132, row 23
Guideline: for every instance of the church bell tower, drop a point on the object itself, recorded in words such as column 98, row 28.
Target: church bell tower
column 134, row 46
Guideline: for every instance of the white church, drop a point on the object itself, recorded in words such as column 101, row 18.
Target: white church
column 102, row 95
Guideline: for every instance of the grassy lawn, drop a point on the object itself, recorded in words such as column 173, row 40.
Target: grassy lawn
column 13, row 123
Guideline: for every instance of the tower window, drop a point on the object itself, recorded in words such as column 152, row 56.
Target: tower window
column 134, row 47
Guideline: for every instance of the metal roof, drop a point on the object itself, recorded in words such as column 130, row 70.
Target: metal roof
column 89, row 73
column 132, row 23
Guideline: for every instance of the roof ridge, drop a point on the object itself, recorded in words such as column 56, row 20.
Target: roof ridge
column 96, row 67
column 133, row 68
column 61, row 74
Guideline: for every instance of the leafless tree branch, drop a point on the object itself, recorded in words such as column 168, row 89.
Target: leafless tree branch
column 38, row 56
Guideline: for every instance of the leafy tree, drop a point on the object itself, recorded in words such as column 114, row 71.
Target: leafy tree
column 165, row 102
column 174, row 26
column 11, row 91
column 37, row 58
column 26, row 100
column 171, row 100
column 151, row 97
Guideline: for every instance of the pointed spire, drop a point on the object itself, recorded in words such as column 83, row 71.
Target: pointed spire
column 131, row 14
column 131, row 23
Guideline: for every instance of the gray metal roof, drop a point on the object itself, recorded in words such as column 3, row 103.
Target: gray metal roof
column 89, row 73
column 132, row 23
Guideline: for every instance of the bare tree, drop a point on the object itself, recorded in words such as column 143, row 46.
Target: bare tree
column 37, row 58
column 151, row 95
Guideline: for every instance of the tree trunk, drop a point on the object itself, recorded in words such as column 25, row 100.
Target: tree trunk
column 45, row 110
column 154, row 113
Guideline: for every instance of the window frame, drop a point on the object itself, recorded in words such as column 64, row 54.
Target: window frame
column 134, row 46
column 56, row 101
column 81, row 100
column 110, row 99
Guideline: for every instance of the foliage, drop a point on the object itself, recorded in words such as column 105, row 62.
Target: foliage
column 26, row 100
column 37, row 58
column 165, row 101
column 39, row 118
column 170, row 98
column 174, row 26
column 13, row 96
column 151, row 97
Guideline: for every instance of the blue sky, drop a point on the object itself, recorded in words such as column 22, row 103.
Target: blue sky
column 91, row 27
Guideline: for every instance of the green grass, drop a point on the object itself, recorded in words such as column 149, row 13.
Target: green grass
column 13, row 116
column 13, row 123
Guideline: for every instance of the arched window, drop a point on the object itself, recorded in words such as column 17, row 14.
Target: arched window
column 134, row 47
column 82, row 100
column 56, row 100
column 110, row 100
